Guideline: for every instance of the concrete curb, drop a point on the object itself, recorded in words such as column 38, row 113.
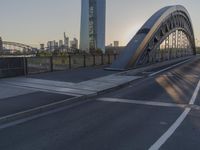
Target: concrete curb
column 154, row 66
column 40, row 111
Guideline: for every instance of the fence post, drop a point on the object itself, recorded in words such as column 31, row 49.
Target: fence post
column 51, row 63
column 94, row 60
column 109, row 59
column 102, row 59
column 70, row 64
column 115, row 56
column 84, row 60
column 25, row 66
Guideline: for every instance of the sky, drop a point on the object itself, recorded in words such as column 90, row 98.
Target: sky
column 37, row 21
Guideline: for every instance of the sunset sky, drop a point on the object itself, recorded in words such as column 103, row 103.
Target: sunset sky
column 38, row 21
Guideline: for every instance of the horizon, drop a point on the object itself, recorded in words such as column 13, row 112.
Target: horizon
column 35, row 22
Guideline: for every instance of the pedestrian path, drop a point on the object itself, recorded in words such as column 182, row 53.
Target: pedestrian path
column 90, row 87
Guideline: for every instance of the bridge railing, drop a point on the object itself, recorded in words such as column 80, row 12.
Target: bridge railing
column 10, row 67
column 18, row 66
column 58, row 63
column 37, row 65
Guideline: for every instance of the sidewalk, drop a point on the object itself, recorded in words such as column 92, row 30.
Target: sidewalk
column 80, row 82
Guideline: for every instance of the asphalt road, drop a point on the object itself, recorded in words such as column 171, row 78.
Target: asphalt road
column 132, row 118
column 13, row 105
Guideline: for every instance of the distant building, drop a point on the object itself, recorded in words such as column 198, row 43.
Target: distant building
column 110, row 45
column 74, row 44
column 116, row 43
column 114, row 50
column 51, row 45
column 42, row 47
column 56, row 45
column 93, row 16
column 60, row 43
column 66, row 41
column 1, row 44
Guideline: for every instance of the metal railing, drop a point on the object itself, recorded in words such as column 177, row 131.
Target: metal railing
column 59, row 63
column 18, row 66
column 10, row 67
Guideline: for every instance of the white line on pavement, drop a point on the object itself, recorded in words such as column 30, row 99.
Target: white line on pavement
column 155, row 73
column 37, row 110
column 176, row 124
column 139, row 102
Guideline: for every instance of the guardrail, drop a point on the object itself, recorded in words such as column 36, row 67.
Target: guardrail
column 53, row 63
column 33, row 65
column 12, row 67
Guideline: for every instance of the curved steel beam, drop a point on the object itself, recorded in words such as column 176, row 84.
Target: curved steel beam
column 153, row 32
column 18, row 45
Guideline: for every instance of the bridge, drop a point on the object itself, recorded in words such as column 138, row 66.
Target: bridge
column 167, row 35
column 14, row 46
column 154, row 103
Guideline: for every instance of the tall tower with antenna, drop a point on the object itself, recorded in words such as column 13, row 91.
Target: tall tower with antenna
column 93, row 18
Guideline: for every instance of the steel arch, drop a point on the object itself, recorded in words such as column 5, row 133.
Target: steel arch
column 18, row 45
column 153, row 32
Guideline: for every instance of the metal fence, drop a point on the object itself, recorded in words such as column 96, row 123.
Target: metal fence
column 49, row 64
column 10, row 67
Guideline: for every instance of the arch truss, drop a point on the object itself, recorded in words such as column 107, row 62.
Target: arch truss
column 167, row 35
column 13, row 46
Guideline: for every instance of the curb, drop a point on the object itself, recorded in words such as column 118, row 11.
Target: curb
column 154, row 66
column 44, row 110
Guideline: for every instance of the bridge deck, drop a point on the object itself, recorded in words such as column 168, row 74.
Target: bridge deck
column 133, row 117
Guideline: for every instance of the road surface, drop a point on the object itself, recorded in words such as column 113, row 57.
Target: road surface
column 155, row 112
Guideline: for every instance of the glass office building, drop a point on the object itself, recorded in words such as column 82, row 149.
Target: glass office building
column 93, row 16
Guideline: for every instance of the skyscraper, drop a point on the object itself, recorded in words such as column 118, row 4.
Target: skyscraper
column 66, row 41
column 60, row 43
column 93, row 16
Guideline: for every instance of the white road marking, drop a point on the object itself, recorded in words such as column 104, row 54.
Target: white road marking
column 37, row 115
column 176, row 124
column 139, row 102
column 155, row 73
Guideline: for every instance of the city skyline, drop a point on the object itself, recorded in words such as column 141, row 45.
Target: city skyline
column 36, row 22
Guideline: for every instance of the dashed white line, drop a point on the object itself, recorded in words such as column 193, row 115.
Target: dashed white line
column 176, row 124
